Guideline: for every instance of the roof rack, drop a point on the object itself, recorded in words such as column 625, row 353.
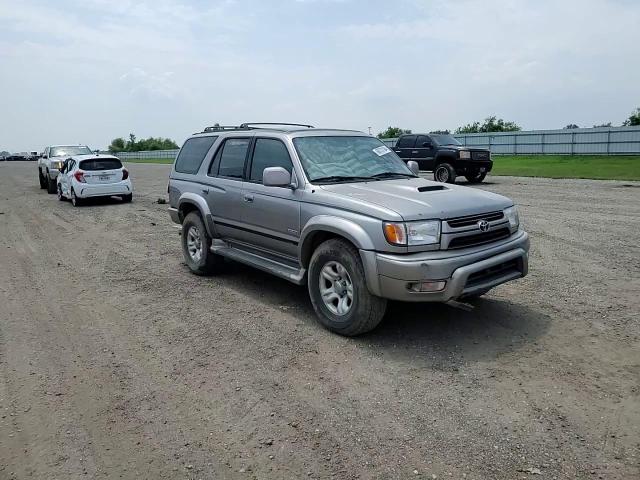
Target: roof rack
column 219, row 128
column 251, row 125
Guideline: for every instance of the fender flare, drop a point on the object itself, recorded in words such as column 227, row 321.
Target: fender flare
column 189, row 198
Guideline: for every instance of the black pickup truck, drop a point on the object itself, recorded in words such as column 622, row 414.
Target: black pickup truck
column 445, row 156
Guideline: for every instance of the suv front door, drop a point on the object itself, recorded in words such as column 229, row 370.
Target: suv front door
column 424, row 152
column 271, row 215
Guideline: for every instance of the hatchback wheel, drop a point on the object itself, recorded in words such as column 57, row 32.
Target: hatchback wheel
column 127, row 198
column 75, row 201
column 338, row 290
column 445, row 173
column 196, row 247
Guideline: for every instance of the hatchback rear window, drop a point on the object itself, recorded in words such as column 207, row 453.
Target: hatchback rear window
column 193, row 152
column 100, row 164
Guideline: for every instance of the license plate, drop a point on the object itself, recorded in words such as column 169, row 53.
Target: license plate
column 104, row 177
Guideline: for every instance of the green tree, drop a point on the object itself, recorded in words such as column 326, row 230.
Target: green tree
column 608, row 124
column 117, row 145
column 633, row 120
column 440, row 132
column 571, row 126
column 393, row 132
column 491, row 124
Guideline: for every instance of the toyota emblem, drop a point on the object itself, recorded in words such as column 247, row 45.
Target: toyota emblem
column 483, row 225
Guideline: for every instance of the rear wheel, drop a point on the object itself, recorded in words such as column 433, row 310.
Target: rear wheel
column 75, row 201
column 127, row 198
column 476, row 177
column 338, row 290
column 51, row 185
column 445, row 173
column 196, row 247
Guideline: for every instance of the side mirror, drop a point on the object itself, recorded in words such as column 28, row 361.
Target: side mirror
column 276, row 177
column 413, row 166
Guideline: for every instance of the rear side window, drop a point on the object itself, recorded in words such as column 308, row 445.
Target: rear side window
column 234, row 152
column 100, row 164
column 192, row 154
column 407, row 141
column 269, row 153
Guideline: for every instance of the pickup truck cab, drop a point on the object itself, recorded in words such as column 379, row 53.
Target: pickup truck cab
column 340, row 212
column 51, row 162
column 445, row 156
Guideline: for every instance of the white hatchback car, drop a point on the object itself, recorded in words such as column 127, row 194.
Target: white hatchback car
column 88, row 176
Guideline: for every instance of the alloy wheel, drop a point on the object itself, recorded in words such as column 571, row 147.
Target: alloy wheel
column 336, row 288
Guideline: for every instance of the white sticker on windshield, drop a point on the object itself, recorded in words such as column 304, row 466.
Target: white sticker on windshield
column 381, row 150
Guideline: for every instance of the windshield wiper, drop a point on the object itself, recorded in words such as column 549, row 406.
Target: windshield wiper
column 341, row 178
column 393, row 174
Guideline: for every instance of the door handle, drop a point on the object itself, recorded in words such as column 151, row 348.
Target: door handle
column 248, row 198
column 414, row 151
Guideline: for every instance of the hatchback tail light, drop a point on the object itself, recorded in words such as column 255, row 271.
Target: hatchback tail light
column 125, row 173
column 79, row 175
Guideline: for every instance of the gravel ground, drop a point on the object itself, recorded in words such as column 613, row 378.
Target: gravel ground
column 116, row 362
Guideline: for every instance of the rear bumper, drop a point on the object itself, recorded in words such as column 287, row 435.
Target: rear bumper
column 465, row 271
column 86, row 190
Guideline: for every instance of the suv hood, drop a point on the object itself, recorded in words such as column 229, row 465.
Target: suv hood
column 420, row 199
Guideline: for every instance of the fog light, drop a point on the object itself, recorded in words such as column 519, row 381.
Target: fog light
column 427, row 286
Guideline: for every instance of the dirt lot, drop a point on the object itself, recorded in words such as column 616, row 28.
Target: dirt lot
column 116, row 362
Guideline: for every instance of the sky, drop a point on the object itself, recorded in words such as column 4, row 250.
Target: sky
column 87, row 71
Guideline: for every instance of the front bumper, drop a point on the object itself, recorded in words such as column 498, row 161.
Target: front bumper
column 466, row 271
column 85, row 190
column 467, row 166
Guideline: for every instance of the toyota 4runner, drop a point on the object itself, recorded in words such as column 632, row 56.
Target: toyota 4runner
column 342, row 213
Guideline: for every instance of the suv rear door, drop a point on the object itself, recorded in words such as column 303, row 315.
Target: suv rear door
column 404, row 147
column 271, row 215
column 224, row 181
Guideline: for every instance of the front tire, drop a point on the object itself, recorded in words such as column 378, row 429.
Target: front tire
column 43, row 183
column 445, row 173
column 338, row 290
column 196, row 247
column 51, row 185
column 476, row 177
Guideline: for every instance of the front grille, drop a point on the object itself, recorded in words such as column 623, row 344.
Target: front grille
column 493, row 273
column 479, row 238
column 474, row 219
column 480, row 156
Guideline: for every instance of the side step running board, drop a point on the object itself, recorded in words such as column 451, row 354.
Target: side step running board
column 292, row 274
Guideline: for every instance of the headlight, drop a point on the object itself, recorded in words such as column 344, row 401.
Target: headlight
column 465, row 154
column 56, row 165
column 512, row 215
column 412, row 233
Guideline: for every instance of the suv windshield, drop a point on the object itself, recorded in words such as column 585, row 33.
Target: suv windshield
column 445, row 140
column 63, row 151
column 343, row 158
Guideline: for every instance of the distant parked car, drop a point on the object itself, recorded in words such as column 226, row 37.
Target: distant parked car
column 90, row 176
column 51, row 162
column 445, row 156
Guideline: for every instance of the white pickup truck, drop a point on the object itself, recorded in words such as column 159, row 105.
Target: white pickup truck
column 50, row 163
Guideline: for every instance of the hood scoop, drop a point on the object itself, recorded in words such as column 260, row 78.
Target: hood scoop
column 432, row 188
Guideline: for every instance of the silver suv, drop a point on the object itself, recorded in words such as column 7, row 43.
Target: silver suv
column 340, row 212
